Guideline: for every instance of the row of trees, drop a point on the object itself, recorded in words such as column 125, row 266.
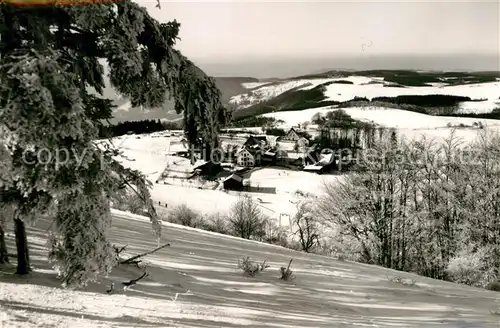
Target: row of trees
column 50, row 60
column 135, row 127
column 421, row 206
column 246, row 220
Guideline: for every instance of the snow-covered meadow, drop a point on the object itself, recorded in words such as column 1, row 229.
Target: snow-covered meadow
column 195, row 283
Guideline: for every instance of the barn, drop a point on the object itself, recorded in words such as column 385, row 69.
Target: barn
column 233, row 182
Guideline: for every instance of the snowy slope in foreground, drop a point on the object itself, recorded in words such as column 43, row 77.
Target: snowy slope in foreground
column 195, row 283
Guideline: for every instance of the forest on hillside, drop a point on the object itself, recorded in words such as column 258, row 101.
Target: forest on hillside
column 421, row 206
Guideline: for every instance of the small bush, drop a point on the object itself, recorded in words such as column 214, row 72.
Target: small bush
column 286, row 273
column 251, row 268
column 128, row 201
column 183, row 215
column 403, row 281
column 217, row 223
column 493, row 286
column 278, row 237
column 468, row 268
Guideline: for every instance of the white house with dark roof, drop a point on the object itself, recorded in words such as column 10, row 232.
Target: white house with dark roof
column 245, row 158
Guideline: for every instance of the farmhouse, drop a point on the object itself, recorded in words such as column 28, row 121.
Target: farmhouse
column 294, row 135
column 233, row 182
column 269, row 157
column 181, row 168
column 260, row 140
column 248, row 156
column 207, row 168
column 326, row 162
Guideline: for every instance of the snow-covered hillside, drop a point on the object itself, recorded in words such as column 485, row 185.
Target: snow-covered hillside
column 265, row 92
column 409, row 124
column 371, row 87
column 195, row 283
column 253, row 85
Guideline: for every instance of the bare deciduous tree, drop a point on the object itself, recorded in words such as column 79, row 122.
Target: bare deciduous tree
column 306, row 226
column 433, row 211
column 246, row 219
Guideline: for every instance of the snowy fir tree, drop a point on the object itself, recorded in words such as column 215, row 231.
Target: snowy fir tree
column 50, row 60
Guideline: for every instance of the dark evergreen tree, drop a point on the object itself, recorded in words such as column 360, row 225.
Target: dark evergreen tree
column 50, row 59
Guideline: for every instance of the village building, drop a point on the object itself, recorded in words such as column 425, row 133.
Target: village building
column 233, row 182
column 326, row 162
column 249, row 156
column 260, row 140
column 294, row 135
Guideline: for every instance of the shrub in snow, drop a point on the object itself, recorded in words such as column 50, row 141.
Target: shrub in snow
column 251, row 268
column 402, row 281
column 334, row 243
column 469, row 268
column 493, row 286
column 286, row 273
column 217, row 223
column 184, row 215
column 279, row 237
column 128, row 201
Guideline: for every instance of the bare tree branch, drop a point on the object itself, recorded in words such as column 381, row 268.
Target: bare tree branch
column 136, row 257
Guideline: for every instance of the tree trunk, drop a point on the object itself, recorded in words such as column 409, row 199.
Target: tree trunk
column 4, row 258
column 23, row 259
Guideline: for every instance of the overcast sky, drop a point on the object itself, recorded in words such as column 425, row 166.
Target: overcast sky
column 255, row 31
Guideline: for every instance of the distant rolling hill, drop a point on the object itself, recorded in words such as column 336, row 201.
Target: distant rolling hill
column 229, row 86
column 232, row 86
column 338, row 87
column 248, row 96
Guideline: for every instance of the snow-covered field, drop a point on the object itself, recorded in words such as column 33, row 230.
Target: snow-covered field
column 409, row 124
column 195, row 283
column 345, row 92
